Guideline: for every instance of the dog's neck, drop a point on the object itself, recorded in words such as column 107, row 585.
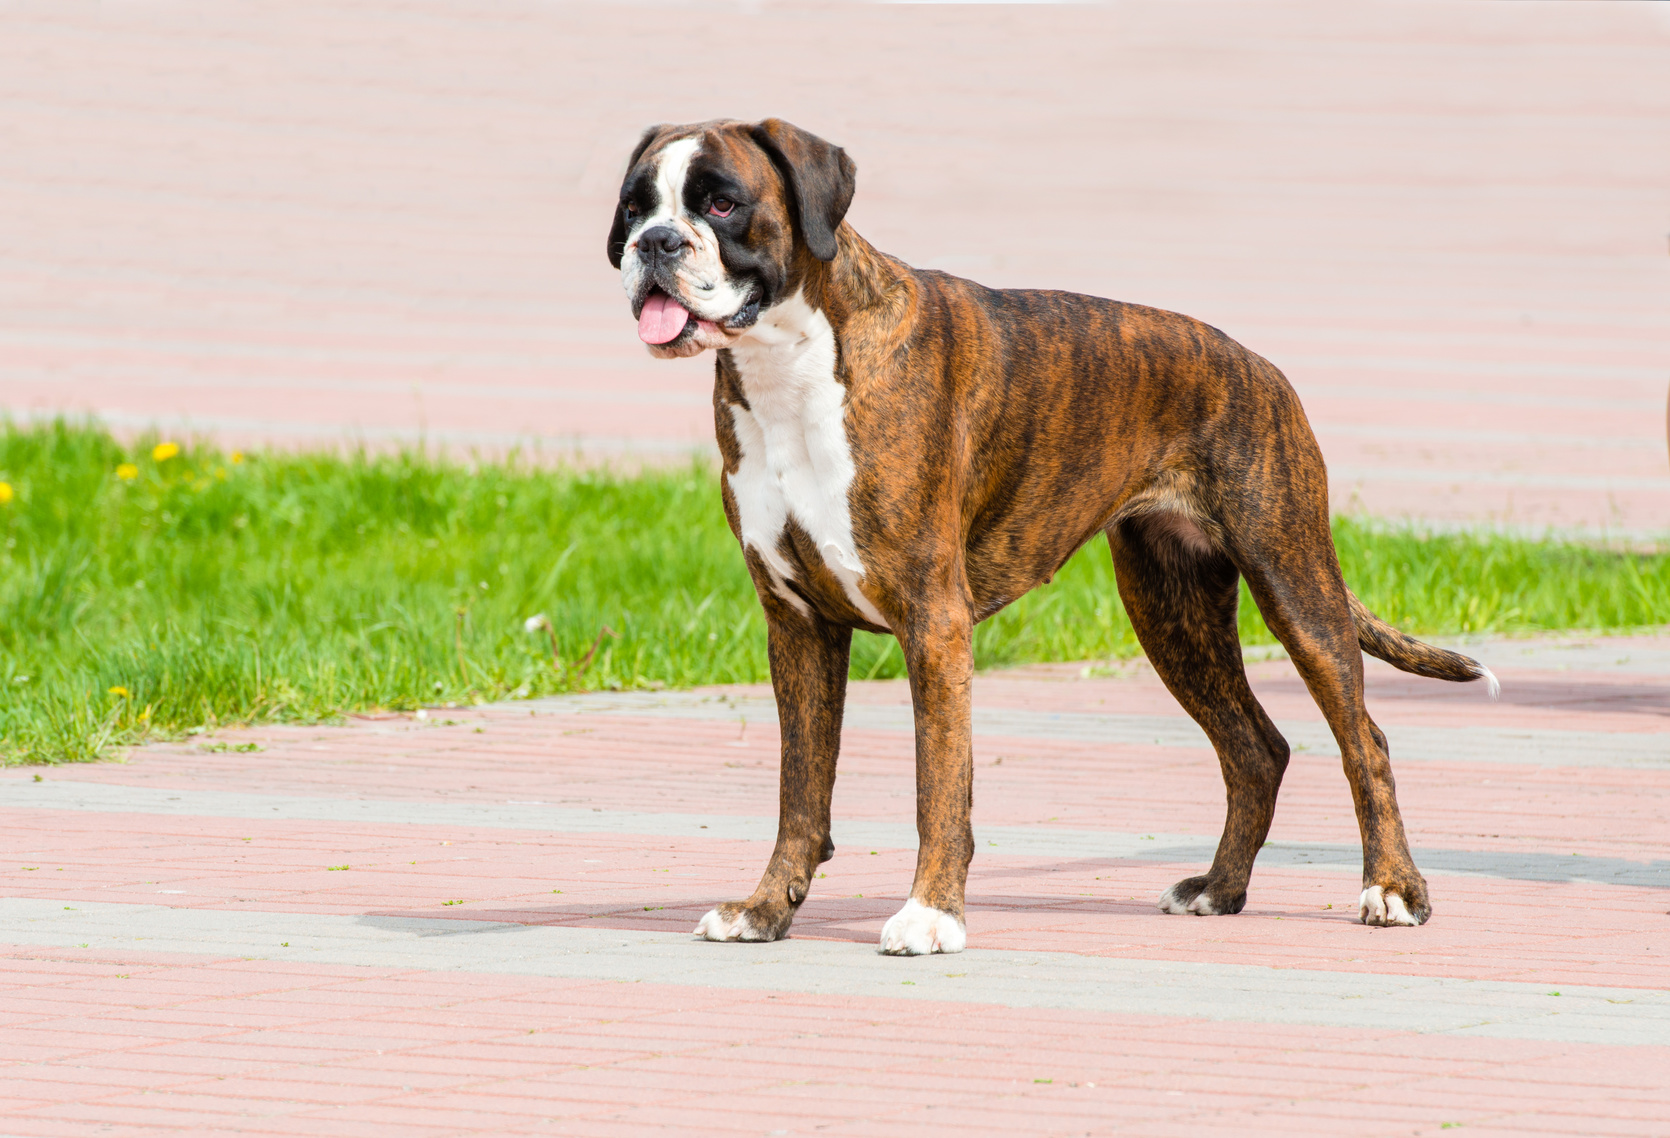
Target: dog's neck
column 776, row 348
column 861, row 287
column 862, row 290
column 860, row 278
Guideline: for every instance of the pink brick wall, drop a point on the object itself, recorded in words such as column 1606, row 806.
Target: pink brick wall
column 307, row 221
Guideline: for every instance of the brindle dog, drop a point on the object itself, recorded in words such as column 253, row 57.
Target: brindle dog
column 908, row 452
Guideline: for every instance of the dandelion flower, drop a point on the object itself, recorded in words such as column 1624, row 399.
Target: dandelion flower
column 162, row 452
column 127, row 472
column 6, row 493
column 537, row 623
column 237, row 457
column 121, row 691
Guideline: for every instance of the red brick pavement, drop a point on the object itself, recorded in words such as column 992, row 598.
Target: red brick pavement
column 302, row 222
column 219, row 1046
column 115, row 1037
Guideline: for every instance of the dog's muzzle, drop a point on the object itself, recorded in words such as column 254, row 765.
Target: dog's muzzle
column 663, row 319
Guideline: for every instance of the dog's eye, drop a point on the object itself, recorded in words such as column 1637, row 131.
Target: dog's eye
column 721, row 207
column 631, row 209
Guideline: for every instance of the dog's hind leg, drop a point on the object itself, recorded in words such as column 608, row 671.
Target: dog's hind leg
column 1181, row 594
column 809, row 676
column 1286, row 553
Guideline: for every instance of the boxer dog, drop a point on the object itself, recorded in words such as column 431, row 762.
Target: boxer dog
column 906, row 451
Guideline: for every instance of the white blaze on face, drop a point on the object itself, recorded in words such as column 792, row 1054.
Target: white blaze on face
column 703, row 285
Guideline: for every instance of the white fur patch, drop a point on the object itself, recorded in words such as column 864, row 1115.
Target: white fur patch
column 795, row 459
column 1201, row 906
column 1377, row 907
column 918, row 929
column 715, row 927
column 704, row 286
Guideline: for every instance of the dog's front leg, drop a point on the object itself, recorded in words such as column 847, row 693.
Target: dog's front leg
column 809, row 675
column 940, row 655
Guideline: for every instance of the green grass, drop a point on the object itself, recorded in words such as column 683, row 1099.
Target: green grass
column 206, row 590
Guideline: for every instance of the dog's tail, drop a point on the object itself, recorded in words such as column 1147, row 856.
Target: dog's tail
column 1407, row 654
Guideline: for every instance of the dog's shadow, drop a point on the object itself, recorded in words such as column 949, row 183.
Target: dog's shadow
column 846, row 924
column 1128, row 889
column 854, row 919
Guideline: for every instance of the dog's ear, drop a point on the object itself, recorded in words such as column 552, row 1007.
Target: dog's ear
column 617, row 231
column 820, row 176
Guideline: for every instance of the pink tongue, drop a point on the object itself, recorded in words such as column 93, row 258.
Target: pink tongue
column 662, row 319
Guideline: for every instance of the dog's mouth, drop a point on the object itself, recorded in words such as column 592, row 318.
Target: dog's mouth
column 664, row 321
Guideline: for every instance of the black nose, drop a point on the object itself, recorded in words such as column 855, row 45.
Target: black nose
column 659, row 241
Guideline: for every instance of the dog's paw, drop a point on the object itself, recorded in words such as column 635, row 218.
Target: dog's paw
column 1379, row 906
column 917, row 930
column 1181, row 904
column 1193, row 897
column 733, row 922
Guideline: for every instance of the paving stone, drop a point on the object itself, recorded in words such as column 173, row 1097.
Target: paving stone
column 397, row 1007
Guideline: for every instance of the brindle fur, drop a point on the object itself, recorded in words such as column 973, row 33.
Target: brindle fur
column 994, row 433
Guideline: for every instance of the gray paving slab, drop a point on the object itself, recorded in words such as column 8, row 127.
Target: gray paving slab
column 1010, row 841
column 1224, row 992
column 1544, row 747
column 1556, row 652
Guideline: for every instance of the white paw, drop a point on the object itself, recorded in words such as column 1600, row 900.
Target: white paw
column 713, row 926
column 1375, row 907
column 1201, row 906
column 917, row 930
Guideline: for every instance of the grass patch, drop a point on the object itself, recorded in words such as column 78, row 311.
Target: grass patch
column 144, row 593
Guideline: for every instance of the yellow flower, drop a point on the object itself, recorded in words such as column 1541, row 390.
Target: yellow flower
column 237, row 457
column 127, row 472
column 6, row 493
column 121, row 691
column 162, row 452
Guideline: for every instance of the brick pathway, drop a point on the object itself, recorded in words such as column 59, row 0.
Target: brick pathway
column 307, row 221
column 478, row 923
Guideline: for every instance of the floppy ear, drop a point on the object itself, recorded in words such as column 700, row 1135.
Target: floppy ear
column 820, row 176
column 617, row 231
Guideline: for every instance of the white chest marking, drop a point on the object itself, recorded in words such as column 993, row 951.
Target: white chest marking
column 795, row 459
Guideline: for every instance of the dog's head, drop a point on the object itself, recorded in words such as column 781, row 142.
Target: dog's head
column 713, row 223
